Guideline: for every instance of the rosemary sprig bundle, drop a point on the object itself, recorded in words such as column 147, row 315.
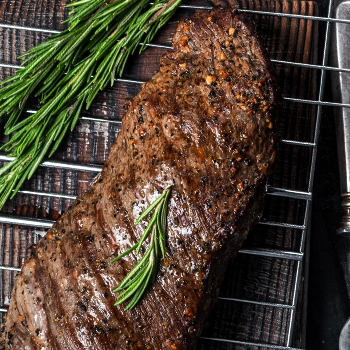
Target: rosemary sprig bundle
column 144, row 272
column 66, row 72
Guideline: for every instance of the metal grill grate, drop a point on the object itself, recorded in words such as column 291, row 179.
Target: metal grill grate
column 24, row 220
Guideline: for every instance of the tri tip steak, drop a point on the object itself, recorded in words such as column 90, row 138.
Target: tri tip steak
column 203, row 124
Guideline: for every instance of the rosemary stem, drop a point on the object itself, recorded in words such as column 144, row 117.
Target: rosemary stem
column 67, row 72
column 145, row 270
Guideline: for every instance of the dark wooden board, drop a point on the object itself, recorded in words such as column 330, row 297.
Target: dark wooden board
column 257, row 278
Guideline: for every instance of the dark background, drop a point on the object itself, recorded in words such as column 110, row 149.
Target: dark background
column 328, row 302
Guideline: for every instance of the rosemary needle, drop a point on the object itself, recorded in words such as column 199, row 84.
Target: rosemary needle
column 66, row 72
column 144, row 272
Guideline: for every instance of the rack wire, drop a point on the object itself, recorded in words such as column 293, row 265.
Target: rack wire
column 14, row 225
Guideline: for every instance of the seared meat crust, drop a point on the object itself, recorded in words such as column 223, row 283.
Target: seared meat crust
column 204, row 124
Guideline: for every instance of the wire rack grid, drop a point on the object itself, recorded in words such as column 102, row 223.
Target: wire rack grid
column 21, row 228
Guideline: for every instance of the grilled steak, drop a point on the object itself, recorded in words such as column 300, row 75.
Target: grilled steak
column 203, row 124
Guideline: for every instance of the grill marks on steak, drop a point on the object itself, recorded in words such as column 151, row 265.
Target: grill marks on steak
column 203, row 123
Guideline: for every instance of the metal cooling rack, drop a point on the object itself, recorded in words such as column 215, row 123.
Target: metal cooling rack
column 298, row 257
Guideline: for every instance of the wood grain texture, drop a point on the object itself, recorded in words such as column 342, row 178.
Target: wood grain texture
column 260, row 279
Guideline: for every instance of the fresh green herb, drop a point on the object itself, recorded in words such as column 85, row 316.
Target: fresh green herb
column 136, row 281
column 66, row 72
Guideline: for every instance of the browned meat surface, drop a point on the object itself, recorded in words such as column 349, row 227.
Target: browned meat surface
column 204, row 124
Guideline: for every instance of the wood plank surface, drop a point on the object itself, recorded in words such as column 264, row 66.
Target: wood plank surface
column 261, row 279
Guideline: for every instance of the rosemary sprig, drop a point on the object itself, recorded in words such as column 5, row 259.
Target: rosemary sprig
column 144, row 272
column 66, row 72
